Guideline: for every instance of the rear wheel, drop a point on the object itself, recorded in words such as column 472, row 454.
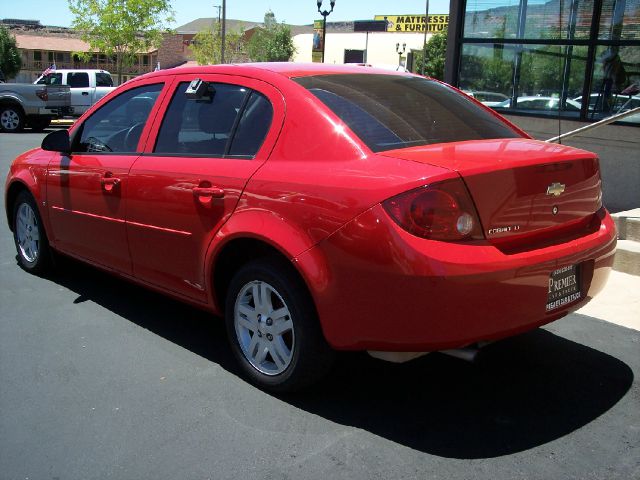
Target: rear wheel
column 273, row 327
column 29, row 236
column 11, row 119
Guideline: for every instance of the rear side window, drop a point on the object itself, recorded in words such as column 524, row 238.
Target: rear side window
column 389, row 111
column 252, row 127
column 78, row 79
column 233, row 121
column 116, row 127
column 103, row 80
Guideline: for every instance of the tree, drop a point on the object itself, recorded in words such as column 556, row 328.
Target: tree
column 10, row 60
column 273, row 43
column 207, row 44
column 436, row 51
column 122, row 28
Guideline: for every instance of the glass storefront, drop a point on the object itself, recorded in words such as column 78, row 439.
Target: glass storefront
column 575, row 58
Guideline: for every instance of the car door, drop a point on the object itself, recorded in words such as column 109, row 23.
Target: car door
column 80, row 91
column 86, row 190
column 200, row 156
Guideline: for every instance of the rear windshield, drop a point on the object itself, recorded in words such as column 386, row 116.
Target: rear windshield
column 389, row 111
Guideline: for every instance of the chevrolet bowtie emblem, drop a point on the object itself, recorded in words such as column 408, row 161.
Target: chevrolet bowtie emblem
column 555, row 189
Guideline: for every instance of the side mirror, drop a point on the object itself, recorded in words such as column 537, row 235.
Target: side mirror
column 57, row 141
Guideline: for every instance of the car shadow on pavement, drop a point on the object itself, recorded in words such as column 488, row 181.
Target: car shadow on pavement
column 523, row 392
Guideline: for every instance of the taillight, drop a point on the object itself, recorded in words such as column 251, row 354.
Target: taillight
column 439, row 211
column 42, row 95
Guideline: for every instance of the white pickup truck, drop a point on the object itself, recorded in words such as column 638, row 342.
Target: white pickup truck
column 87, row 86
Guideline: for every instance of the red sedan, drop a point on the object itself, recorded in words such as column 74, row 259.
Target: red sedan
column 319, row 208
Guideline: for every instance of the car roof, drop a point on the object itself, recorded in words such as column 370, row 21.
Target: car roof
column 285, row 69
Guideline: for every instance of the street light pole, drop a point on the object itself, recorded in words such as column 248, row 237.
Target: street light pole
column 224, row 32
column 324, row 14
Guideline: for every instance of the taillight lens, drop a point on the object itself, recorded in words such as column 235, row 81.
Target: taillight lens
column 42, row 95
column 440, row 211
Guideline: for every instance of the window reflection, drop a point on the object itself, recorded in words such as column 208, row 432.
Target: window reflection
column 616, row 83
column 491, row 18
column 620, row 20
column 541, row 56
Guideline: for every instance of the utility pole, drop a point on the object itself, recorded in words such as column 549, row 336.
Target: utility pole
column 224, row 29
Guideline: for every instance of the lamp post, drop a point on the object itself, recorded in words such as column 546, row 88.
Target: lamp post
column 325, row 13
column 400, row 52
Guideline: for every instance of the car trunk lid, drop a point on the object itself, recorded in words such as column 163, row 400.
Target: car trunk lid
column 520, row 187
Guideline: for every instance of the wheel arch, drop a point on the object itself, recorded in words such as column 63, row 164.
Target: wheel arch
column 13, row 191
column 12, row 102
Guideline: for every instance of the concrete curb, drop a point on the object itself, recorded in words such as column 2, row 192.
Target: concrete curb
column 628, row 251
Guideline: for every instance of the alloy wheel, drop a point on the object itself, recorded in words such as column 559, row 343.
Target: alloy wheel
column 264, row 328
column 9, row 119
column 27, row 233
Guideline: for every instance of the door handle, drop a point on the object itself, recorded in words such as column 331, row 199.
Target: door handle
column 211, row 192
column 85, row 93
column 109, row 183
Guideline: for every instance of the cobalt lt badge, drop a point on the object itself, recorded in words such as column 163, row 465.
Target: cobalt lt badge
column 555, row 189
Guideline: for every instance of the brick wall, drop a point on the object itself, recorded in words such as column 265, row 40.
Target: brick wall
column 172, row 51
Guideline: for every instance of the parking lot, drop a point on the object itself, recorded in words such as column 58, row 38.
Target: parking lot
column 102, row 379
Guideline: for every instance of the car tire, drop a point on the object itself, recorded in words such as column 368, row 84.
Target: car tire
column 39, row 123
column 32, row 244
column 11, row 119
column 280, row 353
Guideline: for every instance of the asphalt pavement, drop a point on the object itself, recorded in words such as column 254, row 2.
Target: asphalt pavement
column 100, row 379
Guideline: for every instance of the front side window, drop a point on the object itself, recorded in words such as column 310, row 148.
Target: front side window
column 388, row 112
column 116, row 127
column 230, row 121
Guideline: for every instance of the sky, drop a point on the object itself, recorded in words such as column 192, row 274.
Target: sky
column 296, row 12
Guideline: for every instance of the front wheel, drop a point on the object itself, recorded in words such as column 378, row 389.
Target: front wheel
column 273, row 328
column 29, row 236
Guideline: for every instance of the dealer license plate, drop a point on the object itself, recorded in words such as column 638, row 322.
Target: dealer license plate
column 564, row 287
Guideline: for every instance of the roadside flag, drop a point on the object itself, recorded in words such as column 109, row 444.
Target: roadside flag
column 49, row 70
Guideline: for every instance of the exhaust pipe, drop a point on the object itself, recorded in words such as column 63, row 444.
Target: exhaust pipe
column 468, row 354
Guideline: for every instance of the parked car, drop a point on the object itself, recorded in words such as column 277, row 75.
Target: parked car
column 490, row 99
column 618, row 103
column 87, row 86
column 319, row 208
column 23, row 105
column 540, row 103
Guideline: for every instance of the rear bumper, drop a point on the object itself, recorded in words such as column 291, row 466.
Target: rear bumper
column 376, row 287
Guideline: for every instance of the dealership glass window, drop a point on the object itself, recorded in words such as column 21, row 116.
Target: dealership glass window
column 487, row 68
column 569, row 19
column 543, row 55
column 616, row 83
column 620, row 20
column 491, row 18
